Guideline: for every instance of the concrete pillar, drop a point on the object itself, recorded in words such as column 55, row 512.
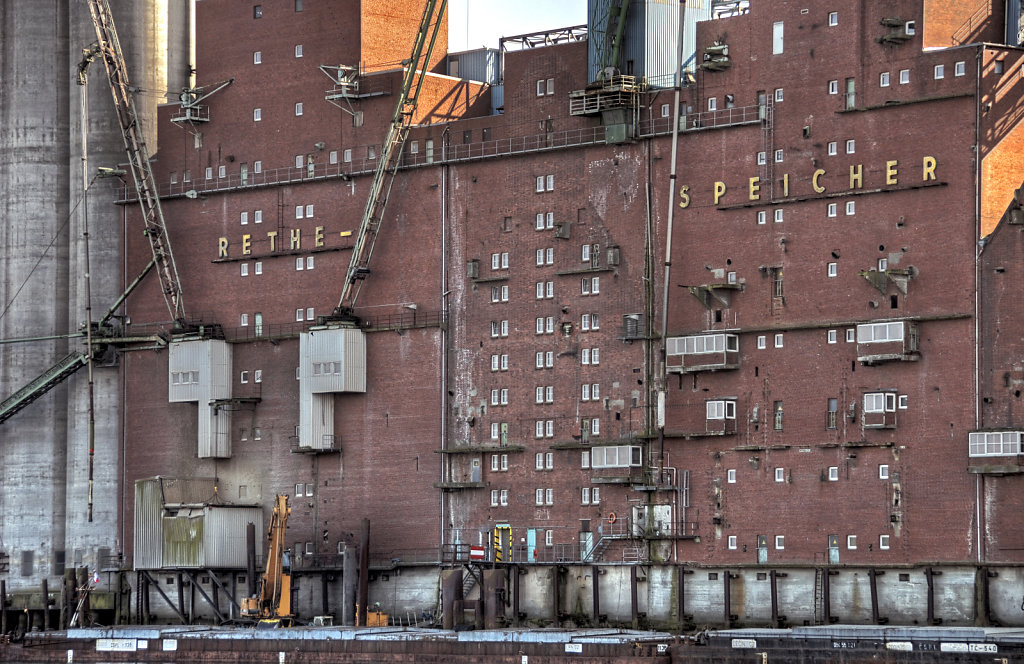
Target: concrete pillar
column 350, row 576
column 494, row 598
column 451, row 597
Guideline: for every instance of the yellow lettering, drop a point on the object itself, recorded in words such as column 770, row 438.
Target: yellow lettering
column 814, row 180
column 785, row 184
column 296, row 238
column 857, row 176
column 246, row 244
column 928, row 170
column 345, row 233
column 684, row 196
column 719, row 191
column 273, row 240
column 222, row 248
column 755, row 187
column 319, row 238
column 890, row 172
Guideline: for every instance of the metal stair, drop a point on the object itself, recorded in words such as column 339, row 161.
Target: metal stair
column 468, row 583
column 43, row 384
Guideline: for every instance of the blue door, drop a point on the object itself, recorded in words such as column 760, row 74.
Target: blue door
column 531, row 545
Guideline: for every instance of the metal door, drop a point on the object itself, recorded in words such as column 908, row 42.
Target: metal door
column 475, row 472
column 586, row 547
column 833, row 549
column 531, row 545
column 762, row 549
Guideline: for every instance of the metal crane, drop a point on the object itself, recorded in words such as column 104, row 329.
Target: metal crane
column 391, row 152
column 109, row 50
column 273, row 605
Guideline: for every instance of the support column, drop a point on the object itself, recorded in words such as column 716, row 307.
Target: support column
column 451, row 598
column 46, row 605
column 634, row 602
column 364, row 570
column 595, row 577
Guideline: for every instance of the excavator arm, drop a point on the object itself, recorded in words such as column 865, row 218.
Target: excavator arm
column 273, row 602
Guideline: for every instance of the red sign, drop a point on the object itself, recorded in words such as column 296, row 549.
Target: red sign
column 476, row 553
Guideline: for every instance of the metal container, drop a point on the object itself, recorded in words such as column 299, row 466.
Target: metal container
column 483, row 65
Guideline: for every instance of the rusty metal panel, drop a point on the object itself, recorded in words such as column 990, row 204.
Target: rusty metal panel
column 148, row 525
column 224, row 534
column 188, row 490
column 183, row 538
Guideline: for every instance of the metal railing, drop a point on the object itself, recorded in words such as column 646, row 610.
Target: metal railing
column 973, row 22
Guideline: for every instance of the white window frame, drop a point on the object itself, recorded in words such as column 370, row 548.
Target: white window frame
column 257, row 114
column 730, row 476
column 904, row 76
column 832, row 210
column 833, row 148
column 779, row 215
column 960, row 68
column 257, row 57
column 780, row 542
column 258, row 267
column 778, row 94
column 851, row 146
column 883, row 79
column 549, row 496
column 778, row 37
column 244, row 320
column 833, row 473
column 712, row 103
column 762, row 342
column 939, row 71
column 884, row 542
column 549, row 538
column 851, row 335
column 883, row 471
column 778, row 339
column 851, row 542
column 762, row 217
column 585, row 495
column 244, row 269
column 779, row 156
column 732, row 542
column 298, row 50
column 780, row 474
column 833, row 19
column 298, row 108
column 851, row 208
column 762, row 158
column 833, row 336
column 833, row 87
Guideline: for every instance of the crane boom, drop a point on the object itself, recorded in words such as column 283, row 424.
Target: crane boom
column 391, row 152
column 138, row 158
column 274, row 600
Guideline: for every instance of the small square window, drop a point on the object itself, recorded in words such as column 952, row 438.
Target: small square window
column 883, row 471
column 243, row 218
column 245, row 269
column 244, row 377
column 833, row 18
column 833, row 87
column 222, row 171
column 833, row 269
column 257, row 57
column 712, row 103
column 851, row 207
column 778, row 156
column 259, row 267
column 851, row 146
column 778, row 340
column 833, row 473
column 298, row 50
column 833, row 336
column 299, row 211
column 309, row 313
column 257, row 114
column 833, row 149
column 904, row 76
column 762, row 342
column 244, row 320
column 346, row 156
column 778, row 216
column 299, row 162
column 257, row 167
column 309, row 212
column 780, row 542
column 257, row 11
column 832, row 209
column 778, row 94
column 883, row 264
column 780, row 474
column 960, row 68
column 851, row 542
column 298, row 108
column 998, row 68
column 299, row 263
column 665, row 110
column 299, row 315
column 883, row 542
column 851, row 335
column 732, row 541
column 883, row 79
column 209, row 172
column 762, row 217
column 940, row 71
column 902, row 401
column 730, row 476
column 761, row 159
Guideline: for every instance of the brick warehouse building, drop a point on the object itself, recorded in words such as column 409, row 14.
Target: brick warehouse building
column 831, row 363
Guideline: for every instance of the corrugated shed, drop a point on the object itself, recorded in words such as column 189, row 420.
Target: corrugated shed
column 149, row 543
column 497, row 99
column 224, row 540
column 482, row 65
column 650, row 39
column 183, row 538
column 187, row 490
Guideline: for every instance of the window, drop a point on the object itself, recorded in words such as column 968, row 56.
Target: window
column 832, row 209
column 209, row 172
column 833, row 473
column 371, row 152
column 346, row 156
column 222, row 171
column 244, row 322
column 257, row 114
column 732, row 541
column 299, row 263
column 851, row 207
column 257, row 11
column 833, row 18
column 595, row 495
column 298, row 50
column 778, row 94
column 257, row 57
column 778, row 340
column 298, row 5
column 833, row 87
column 495, row 428
column 851, row 335
column 762, row 217
column 309, row 313
column 712, row 103
column 940, row 71
column 494, row 497
column 883, row 471
column 299, row 209
column 585, row 459
column 245, row 269
column 720, row 409
column 761, row 158
column 883, row 79
column 541, row 88
column 778, row 215
column 998, row 69
column 665, row 110
column 960, row 68
column 259, row 267
column 832, row 414
column 299, row 315
column 549, row 428
column 778, row 156
column 730, row 476
column 880, row 332
column 298, row 108
column 761, row 342
column 549, row 537
column 883, row 542
column 901, row 402
column 585, row 495
column 309, row 262
column 851, row 146
column 780, row 542
column 549, row 496
column 833, row 336
column 832, row 149
column 777, row 37
column 851, row 542
column 904, row 76
column 780, row 474
column 539, row 461
column 777, row 416
column 243, row 377
column 257, row 167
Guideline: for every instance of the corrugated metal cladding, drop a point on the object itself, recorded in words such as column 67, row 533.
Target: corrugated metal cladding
column 186, row 490
column 149, row 543
column 200, row 371
column 183, row 538
column 333, row 360
column 497, row 99
column 483, row 65
column 225, row 534
column 651, row 37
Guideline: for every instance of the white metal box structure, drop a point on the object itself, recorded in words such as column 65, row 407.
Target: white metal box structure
column 331, row 360
column 200, row 371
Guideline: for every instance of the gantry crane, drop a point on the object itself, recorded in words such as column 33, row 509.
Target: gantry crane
column 391, row 152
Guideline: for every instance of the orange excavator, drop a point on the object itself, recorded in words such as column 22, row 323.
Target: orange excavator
column 272, row 606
